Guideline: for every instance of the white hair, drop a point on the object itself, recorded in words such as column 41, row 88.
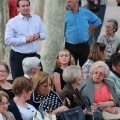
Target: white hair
column 29, row 63
column 100, row 64
column 71, row 74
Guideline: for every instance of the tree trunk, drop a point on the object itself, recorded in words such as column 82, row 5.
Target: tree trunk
column 54, row 17
column 4, row 16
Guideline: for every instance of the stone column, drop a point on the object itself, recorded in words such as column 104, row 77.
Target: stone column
column 4, row 16
column 54, row 18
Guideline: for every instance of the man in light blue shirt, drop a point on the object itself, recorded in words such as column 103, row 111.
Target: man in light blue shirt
column 22, row 33
column 78, row 23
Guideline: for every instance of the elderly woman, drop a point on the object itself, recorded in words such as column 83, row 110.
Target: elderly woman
column 6, row 115
column 115, row 72
column 100, row 92
column 97, row 52
column 70, row 94
column 22, row 88
column 110, row 39
column 31, row 65
column 4, row 84
column 43, row 94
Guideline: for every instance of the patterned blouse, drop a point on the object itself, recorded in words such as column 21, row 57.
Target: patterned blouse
column 49, row 102
column 9, row 116
column 86, row 69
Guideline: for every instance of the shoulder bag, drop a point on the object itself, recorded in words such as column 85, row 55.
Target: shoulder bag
column 72, row 114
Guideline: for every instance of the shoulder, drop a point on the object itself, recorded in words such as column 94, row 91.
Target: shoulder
column 101, row 38
column 9, row 115
column 34, row 16
column 109, row 83
column 58, row 70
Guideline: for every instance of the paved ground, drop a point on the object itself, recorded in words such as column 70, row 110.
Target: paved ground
column 112, row 12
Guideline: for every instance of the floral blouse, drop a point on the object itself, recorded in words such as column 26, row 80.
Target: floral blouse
column 86, row 69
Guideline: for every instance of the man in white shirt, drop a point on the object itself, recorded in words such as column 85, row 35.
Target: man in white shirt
column 22, row 33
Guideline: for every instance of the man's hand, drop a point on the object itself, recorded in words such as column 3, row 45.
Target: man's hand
column 29, row 39
column 36, row 36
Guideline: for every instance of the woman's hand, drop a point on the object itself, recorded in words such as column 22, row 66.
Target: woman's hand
column 111, row 110
column 101, row 105
column 66, row 102
column 60, row 109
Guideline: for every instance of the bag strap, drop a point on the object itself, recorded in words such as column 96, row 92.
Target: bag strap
column 87, row 103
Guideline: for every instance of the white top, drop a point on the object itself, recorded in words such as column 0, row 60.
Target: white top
column 1, row 118
column 27, row 113
column 18, row 28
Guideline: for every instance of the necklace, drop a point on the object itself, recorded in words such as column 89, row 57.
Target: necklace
column 24, row 106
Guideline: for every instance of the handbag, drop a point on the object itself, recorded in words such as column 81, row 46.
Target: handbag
column 90, row 115
column 72, row 114
column 94, row 7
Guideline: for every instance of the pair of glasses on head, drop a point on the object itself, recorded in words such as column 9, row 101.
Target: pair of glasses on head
column 3, row 71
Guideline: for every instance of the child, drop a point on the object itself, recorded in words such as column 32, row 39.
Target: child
column 63, row 59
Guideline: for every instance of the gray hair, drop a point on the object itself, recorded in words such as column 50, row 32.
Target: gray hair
column 71, row 74
column 100, row 64
column 29, row 63
column 115, row 24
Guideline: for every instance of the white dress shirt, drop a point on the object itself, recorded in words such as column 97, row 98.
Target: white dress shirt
column 18, row 28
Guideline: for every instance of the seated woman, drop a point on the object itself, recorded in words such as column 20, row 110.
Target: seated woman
column 101, row 92
column 6, row 115
column 97, row 52
column 4, row 84
column 44, row 96
column 31, row 65
column 110, row 39
column 22, row 88
column 70, row 94
column 114, row 75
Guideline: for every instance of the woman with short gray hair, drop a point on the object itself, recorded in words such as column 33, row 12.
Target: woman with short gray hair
column 70, row 94
column 31, row 65
column 109, row 38
column 100, row 91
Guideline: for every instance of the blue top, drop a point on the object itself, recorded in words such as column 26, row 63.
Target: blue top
column 77, row 25
column 18, row 28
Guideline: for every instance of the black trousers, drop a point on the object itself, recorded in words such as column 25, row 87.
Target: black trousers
column 16, row 63
column 79, row 51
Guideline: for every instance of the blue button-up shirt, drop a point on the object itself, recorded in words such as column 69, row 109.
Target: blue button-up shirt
column 18, row 28
column 77, row 25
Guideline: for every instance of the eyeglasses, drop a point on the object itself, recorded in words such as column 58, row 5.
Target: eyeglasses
column 3, row 103
column 99, row 73
column 3, row 71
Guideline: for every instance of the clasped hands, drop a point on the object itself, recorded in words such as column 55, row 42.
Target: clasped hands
column 32, row 38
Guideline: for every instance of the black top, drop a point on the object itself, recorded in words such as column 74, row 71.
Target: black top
column 60, row 71
column 8, row 91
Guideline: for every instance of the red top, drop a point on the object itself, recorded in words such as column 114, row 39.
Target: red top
column 12, row 8
column 102, row 94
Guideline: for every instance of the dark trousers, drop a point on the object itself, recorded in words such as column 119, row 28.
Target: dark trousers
column 79, row 51
column 16, row 62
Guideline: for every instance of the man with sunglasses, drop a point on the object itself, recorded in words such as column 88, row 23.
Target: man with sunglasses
column 22, row 33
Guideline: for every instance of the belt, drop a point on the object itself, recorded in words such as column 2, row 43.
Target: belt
column 78, row 43
column 26, row 54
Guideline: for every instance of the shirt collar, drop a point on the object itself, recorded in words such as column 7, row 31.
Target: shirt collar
column 115, row 73
column 77, row 11
column 22, row 17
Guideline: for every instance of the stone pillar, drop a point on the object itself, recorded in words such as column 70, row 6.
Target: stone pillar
column 4, row 16
column 54, row 18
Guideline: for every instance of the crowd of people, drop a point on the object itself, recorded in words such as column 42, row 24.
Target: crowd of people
column 82, row 69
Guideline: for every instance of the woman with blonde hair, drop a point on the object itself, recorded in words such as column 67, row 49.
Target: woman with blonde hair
column 97, row 52
column 43, row 95
column 63, row 59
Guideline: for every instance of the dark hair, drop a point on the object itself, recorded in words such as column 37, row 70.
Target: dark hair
column 95, row 51
column 118, row 48
column 17, row 4
column 115, row 24
column 6, row 66
column 114, row 59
